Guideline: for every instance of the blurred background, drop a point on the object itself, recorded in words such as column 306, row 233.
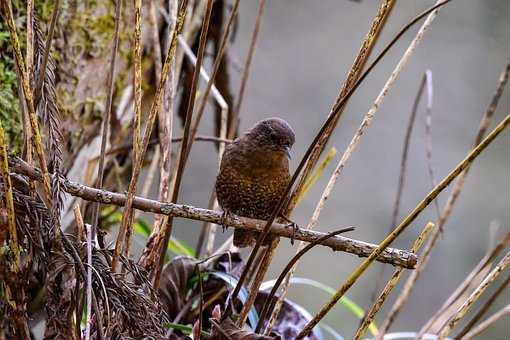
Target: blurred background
column 304, row 52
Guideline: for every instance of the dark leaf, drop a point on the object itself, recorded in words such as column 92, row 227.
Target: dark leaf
column 291, row 320
column 227, row 330
column 174, row 287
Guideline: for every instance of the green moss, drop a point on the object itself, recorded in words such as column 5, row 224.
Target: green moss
column 9, row 102
column 10, row 112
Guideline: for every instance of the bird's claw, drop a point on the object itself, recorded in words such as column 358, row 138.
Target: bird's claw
column 224, row 216
column 293, row 225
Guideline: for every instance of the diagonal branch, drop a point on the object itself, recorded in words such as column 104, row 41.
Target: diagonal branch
column 396, row 257
column 464, row 164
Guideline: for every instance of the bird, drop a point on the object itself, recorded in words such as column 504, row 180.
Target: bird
column 254, row 173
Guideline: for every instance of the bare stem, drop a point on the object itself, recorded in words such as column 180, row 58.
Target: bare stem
column 166, row 231
column 392, row 282
column 126, row 218
column 285, row 198
column 106, row 116
column 448, row 207
column 467, row 161
column 461, row 312
column 355, row 73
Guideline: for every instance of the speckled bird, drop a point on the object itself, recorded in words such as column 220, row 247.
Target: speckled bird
column 254, row 173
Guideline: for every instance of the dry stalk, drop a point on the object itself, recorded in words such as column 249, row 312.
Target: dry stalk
column 30, row 70
column 487, row 323
column 392, row 256
column 30, row 40
column 106, row 117
column 246, row 71
column 137, row 68
column 127, row 216
column 161, row 242
column 287, row 269
column 147, row 132
column 402, row 173
column 367, row 120
column 280, row 299
column 467, row 161
column 284, row 199
column 481, row 267
column 81, row 226
column 29, row 98
column 461, row 312
column 208, row 228
column 354, row 74
column 9, row 203
column 447, row 209
column 392, row 282
column 14, row 295
column 428, row 135
column 257, row 281
column 216, row 67
column 467, row 329
column 165, row 116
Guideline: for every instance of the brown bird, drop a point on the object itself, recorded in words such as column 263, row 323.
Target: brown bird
column 254, row 173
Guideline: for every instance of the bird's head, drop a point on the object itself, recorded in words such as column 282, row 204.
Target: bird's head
column 272, row 134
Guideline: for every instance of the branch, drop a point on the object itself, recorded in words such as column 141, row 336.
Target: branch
column 396, row 257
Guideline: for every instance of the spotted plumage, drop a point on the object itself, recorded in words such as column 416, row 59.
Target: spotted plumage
column 254, row 173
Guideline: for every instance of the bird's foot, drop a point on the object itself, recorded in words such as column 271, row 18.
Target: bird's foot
column 291, row 224
column 224, row 216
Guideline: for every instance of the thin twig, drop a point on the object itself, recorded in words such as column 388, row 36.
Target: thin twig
column 9, row 203
column 402, row 174
column 83, row 272
column 466, row 331
column 354, row 75
column 448, row 207
column 366, row 122
column 106, row 117
column 286, row 284
column 137, row 77
column 28, row 152
column 487, row 323
column 165, row 115
column 81, row 226
column 461, row 312
column 161, row 243
column 287, row 269
column 127, row 147
column 147, row 132
column 392, row 256
column 467, row 161
column 216, row 67
column 284, row 199
column 480, row 268
column 428, row 135
column 234, row 122
column 392, row 282
column 262, row 268
column 127, row 215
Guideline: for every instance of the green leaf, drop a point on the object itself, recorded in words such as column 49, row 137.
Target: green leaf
column 185, row 329
column 175, row 246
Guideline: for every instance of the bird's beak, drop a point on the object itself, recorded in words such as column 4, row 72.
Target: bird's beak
column 287, row 151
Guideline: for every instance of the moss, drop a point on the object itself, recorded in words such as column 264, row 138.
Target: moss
column 10, row 112
column 9, row 102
